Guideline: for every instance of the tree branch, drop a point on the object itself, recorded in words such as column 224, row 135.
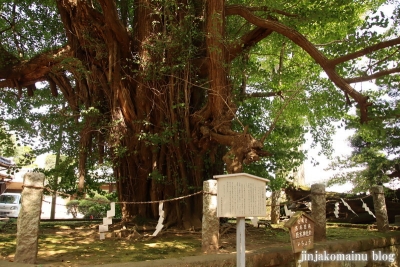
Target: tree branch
column 8, row 60
column 273, row 125
column 307, row 46
column 364, row 51
column 112, row 20
column 6, row 29
column 394, row 174
column 376, row 75
column 248, row 40
column 29, row 72
column 6, row 83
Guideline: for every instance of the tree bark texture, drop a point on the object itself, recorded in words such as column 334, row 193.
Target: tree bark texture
column 142, row 84
column 165, row 130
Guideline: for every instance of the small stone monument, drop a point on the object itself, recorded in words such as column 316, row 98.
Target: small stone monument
column 29, row 218
column 301, row 231
column 301, row 228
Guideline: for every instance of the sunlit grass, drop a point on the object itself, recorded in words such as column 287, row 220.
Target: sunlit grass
column 333, row 232
column 59, row 246
column 80, row 245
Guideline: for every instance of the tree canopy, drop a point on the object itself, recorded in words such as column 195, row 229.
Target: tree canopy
column 375, row 157
column 172, row 92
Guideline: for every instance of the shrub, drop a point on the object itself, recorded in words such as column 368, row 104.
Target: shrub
column 114, row 198
column 72, row 207
column 96, row 207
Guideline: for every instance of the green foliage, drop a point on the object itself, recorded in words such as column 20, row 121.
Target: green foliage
column 308, row 102
column 7, row 144
column 170, row 78
column 113, row 197
column 43, row 124
column 24, row 156
column 96, row 206
column 72, row 207
column 61, row 177
column 21, row 32
column 369, row 163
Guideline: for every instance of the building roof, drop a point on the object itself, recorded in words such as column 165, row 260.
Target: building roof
column 5, row 162
column 242, row 175
column 4, row 176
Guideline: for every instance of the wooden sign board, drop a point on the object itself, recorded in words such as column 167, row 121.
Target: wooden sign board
column 301, row 231
column 241, row 195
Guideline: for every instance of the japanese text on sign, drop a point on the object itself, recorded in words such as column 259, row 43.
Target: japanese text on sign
column 302, row 234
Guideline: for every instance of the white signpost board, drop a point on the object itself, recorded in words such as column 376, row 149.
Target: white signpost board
column 240, row 195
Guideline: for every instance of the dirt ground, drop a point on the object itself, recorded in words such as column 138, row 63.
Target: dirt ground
column 78, row 244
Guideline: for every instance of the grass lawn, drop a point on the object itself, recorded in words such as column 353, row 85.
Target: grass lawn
column 77, row 243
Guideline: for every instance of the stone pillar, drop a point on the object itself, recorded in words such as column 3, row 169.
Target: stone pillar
column 210, row 222
column 268, row 203
column 382, row 220
column 275, row 207
column 318, row 213
column 29, row 218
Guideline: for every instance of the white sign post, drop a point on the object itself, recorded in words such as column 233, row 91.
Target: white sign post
column 240, row 195
column 240, row 242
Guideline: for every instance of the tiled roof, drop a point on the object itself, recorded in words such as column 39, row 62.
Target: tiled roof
column 5, row 162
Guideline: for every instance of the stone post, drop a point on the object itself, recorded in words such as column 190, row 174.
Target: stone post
column 318, row 213
column 210, row 222
column 29, row 218
column 380, row 208
column 268, row 203
column 275, row 207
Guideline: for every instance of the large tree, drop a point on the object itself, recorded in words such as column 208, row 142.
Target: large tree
column 160, row 87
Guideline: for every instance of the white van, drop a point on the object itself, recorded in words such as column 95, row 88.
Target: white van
column 10, row 204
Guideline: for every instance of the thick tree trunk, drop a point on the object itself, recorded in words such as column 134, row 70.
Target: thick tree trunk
column 162, row 159
column 162, row 133
column 155, row 99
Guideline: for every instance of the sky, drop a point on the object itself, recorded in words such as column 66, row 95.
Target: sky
column 317, row 174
